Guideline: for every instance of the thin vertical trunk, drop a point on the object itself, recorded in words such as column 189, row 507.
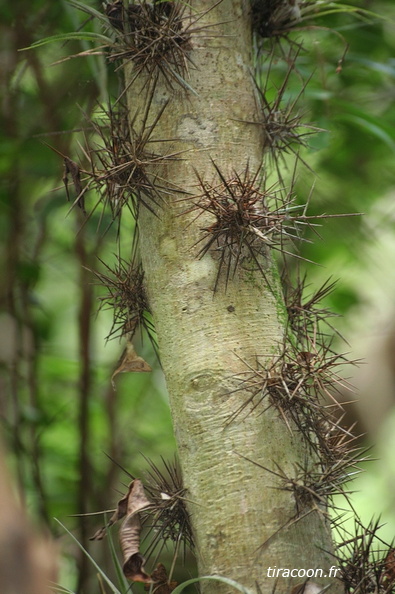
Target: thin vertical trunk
column 85, row 381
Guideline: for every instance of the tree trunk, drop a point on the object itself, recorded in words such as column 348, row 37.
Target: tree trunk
column 243, row 522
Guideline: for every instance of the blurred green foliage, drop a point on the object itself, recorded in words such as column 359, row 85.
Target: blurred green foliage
column 60, row 415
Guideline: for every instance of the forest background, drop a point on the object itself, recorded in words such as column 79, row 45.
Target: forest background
column 68, row 432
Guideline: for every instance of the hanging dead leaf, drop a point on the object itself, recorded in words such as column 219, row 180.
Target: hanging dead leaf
column 160, row 579
column 140, row 502
column 129, row 534
column 130, row 361
column 133, row 568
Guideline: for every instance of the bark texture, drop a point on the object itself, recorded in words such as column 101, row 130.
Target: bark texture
column 243, row 524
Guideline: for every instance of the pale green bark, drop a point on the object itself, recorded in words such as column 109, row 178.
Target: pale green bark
column 203, row 343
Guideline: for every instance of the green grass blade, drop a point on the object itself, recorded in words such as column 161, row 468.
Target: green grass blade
column 371, row 127
column 69, row 37
column 113, row 588
column 89, row 10
column 61, row 589
column 217, row 578
column 118, row 568
column 336, row 7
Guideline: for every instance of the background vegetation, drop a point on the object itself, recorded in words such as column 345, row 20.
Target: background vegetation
column 67, row 430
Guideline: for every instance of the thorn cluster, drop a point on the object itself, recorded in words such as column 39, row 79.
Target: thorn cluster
column 164, row 516
column 248, row 222
column 284, row 127
column 297, row 384
column 168, row 519
column 314, row 485
column 123, row 164
column 126, row 298
column 153, row 35
column 304, row 314
column 275, row 18
column 367, row 563
column 235, row 236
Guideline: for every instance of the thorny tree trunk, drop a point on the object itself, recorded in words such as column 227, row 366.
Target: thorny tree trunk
column 239, row 516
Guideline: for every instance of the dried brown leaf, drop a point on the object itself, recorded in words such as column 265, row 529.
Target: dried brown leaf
column 130, row 361
column 130, row 505
column 140, row 502
column 129, row 534
column 133, row 568
column 160, row 579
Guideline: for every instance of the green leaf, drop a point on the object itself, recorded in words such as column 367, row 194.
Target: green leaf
column 217, row 578
column 69, row 37
column 374, row 129
column 373, row 124
column 383, row 68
